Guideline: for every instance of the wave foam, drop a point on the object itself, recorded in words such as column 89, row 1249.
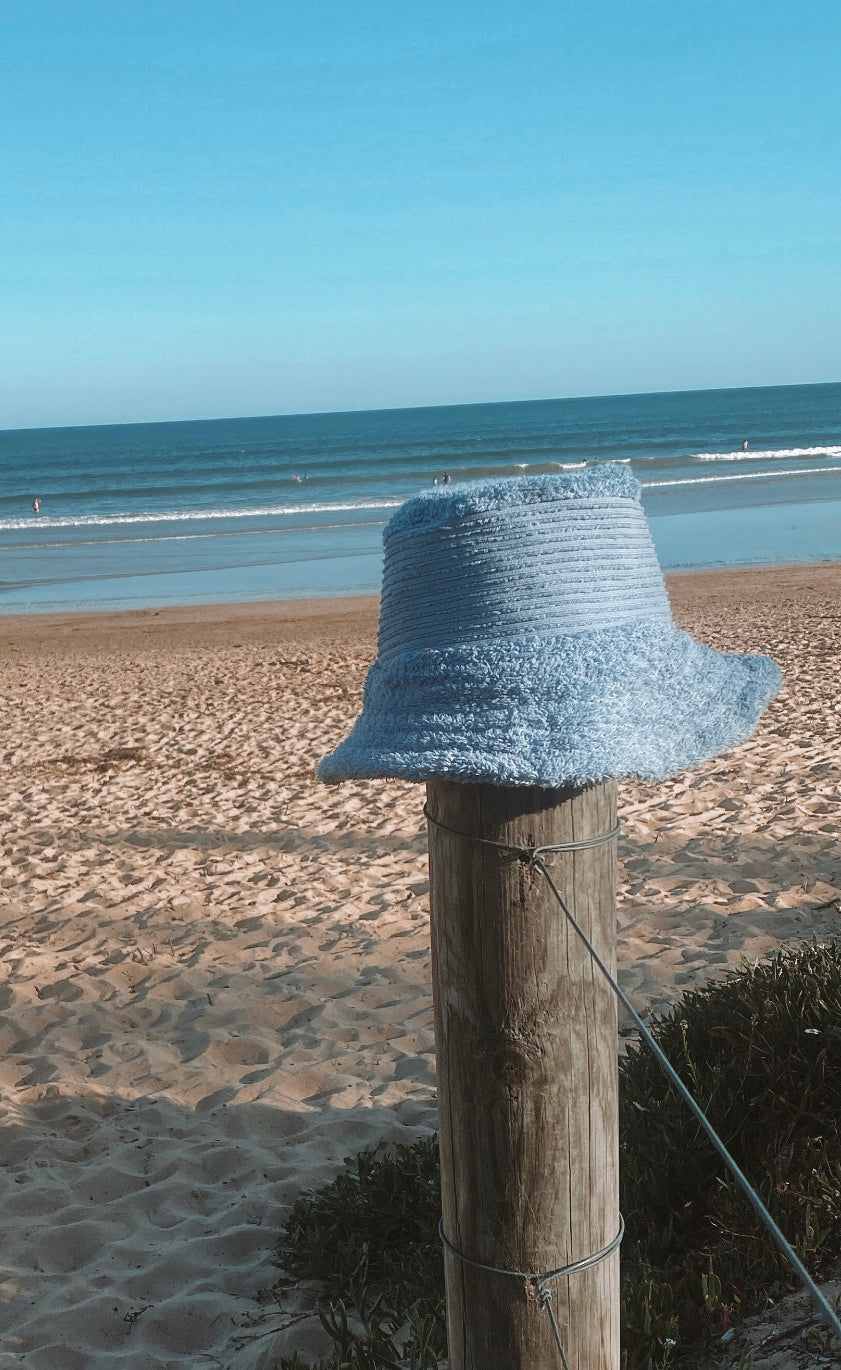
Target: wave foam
column 743, row 475
column 192, row 515
column 769, row 454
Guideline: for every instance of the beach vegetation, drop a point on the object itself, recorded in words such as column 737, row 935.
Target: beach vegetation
column 761, row 1051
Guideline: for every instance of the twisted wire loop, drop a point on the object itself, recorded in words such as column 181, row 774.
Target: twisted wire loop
column 534, row 855
column 540, row 1283
column 528, row 853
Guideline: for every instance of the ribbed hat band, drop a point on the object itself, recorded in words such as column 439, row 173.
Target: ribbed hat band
column 550, row 568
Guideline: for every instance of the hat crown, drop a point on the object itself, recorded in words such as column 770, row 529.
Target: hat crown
column 532, row 556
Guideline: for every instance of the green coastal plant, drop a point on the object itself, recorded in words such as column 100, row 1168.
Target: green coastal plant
column 761, row 1051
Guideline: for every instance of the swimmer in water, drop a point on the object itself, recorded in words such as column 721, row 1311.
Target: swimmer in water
column 36, row 505
column 744, row 444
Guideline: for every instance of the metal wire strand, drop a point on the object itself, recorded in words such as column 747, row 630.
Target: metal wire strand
column 824, row 1309
column 528, row 853
column 541, row 1282
column 546, row 1303
column 534, row 1277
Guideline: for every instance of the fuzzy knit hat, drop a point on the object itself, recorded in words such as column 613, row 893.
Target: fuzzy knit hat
column 526, row 638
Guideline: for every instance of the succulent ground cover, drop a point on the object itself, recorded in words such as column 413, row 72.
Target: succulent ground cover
column 761, row 1052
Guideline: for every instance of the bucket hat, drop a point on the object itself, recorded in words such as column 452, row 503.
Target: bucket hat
column 526, row 638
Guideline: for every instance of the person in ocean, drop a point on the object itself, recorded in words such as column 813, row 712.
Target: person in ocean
column 744, row 444
column 446, row 478
column 36, row 505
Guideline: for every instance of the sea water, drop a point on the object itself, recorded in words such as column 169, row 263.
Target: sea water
column 148, row 515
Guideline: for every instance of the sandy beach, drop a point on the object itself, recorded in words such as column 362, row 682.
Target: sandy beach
column 215, row 971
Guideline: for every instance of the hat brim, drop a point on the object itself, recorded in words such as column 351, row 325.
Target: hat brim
column 638, row 702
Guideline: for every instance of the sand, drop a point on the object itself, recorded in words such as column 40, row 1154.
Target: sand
column 215, row 971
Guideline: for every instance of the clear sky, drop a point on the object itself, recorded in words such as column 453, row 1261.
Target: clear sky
column 226, row 207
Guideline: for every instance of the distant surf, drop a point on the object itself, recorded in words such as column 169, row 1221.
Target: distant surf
column 769, row 454
column 721, row 477
column 156, row 514
column 193, row 515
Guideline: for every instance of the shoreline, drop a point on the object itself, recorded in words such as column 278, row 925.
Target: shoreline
column 192, row 624
column 321, row 616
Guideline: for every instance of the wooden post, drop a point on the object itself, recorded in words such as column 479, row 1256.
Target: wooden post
column 526, row 1033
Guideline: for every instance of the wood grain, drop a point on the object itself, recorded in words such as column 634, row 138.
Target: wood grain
column 527, row 1069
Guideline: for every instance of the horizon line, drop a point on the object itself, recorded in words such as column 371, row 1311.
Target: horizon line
column 403, row 408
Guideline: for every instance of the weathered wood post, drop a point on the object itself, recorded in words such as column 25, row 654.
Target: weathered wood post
column 527, row 1072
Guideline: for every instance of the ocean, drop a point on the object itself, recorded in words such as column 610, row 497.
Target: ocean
column 223, row 510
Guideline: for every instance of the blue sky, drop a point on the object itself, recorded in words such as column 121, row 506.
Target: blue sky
column 218, row 208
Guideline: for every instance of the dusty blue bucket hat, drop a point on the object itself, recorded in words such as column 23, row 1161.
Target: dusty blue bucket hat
column 526, row 638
